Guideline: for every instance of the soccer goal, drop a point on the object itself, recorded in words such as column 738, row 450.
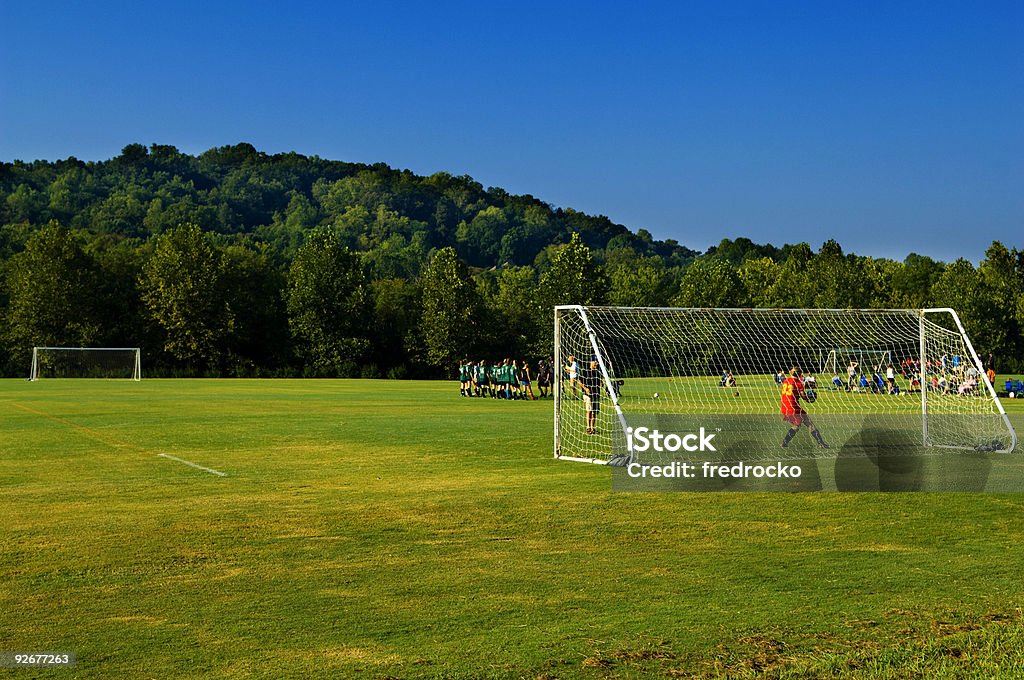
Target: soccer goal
column 838, row 361
column 646, row 364
column 86, row 362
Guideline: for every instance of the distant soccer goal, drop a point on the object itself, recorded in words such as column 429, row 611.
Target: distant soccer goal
column 915, row 373
column 86, row 362
column 840, row 361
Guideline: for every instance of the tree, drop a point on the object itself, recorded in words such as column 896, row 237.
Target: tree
column 52, row 291
column 795, row 288
column 328, row 306
column 300, row 214
column 709, row 282
column 1001, row 276
column 742, row 249
column 573, row 278
column 961, row 288
column 396, row 303
column 635, row 281
column 24, row 204
column 182, row 291
column 514, row 311
column 912, row 282
column 479, row 241
column 760, row 280
column 122, row 316
column 450, row 306
column 122, row 212
column 837, row 281
column 254, row 289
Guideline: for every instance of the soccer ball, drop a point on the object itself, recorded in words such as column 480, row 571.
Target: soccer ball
column 655, row 395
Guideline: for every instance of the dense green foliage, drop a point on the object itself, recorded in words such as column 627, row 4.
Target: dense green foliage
column 235, row 262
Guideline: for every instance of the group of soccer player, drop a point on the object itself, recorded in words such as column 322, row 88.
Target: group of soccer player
column 508, row 379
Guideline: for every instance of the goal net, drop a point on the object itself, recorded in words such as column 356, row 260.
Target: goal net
column 86, row 362
column 915, row 377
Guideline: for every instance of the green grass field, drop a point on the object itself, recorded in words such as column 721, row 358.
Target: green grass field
column 393, row 529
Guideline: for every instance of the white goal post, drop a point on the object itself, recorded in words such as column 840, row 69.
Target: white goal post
column 920, row 375
column 86, row 362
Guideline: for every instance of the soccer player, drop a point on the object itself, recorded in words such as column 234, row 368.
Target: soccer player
column 493, row 371
column 793, row 413
column 480, row 378
column 507, row 374
column 524, row 380
column 590, row 383
column 542, row 378
column 572, row 368
column 499, row 379
column 515, row 378
column 851, row 375
column 464, row 379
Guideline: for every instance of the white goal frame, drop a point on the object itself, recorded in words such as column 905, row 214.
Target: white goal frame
column 136, row 376
column 610, row 380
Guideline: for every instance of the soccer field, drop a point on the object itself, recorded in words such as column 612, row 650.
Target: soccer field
column 394, row 529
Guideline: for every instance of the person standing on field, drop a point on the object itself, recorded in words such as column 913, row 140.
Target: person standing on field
column 572, row 368
column 480, row 378
column 793, row 413
column 590, row 383
column 464, row 386
column 542, row 378
column 524, row 380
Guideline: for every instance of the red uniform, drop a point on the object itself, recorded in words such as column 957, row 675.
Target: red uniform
column 792, row 389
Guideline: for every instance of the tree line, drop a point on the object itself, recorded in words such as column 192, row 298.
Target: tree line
column 239, row 263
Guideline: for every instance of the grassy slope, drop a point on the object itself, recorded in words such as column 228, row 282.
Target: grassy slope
column 395, row 529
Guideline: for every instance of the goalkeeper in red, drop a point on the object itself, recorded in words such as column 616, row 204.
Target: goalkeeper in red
column 792, row 393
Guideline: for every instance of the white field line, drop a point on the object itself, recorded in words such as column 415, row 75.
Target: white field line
column 191, row 464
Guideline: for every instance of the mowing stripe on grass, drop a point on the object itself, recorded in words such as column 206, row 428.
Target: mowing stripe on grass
column 191, row 464
column 111, row 441
column 89, row 432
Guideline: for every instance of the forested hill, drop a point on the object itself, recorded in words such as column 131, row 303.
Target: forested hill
column 235, row 262
column 276, row 199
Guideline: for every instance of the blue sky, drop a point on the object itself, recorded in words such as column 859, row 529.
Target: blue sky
column 891, row 127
